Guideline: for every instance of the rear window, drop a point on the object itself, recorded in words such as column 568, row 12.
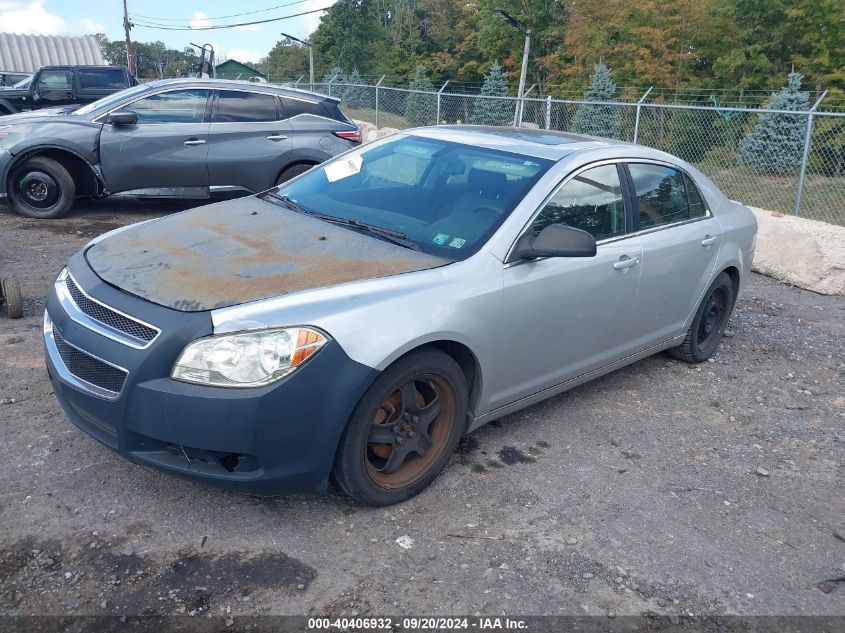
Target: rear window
column 101, row 78
column 234, row 106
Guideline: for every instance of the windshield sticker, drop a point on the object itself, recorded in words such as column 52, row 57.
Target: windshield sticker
column 440, row 239
column 457, row 243
column 341, row 169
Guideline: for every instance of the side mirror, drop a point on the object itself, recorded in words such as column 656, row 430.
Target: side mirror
column 556, row 240
column 123, row 117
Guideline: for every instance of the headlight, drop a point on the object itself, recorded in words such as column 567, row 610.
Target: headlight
column 248, row 359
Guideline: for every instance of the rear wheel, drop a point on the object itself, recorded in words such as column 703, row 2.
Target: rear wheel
column 41, row 188
column 708, row 325
column 404, row 430
column 292, row 172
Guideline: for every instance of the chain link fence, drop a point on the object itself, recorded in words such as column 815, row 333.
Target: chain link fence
column 804, row 177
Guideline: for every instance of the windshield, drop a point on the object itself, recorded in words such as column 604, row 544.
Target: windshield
column 444, row 198
column 107, row 103
column 23, row 83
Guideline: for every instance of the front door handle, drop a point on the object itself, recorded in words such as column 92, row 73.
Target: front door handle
column 709, row 240
column 626, row 262
column 276, row 137
column 195, row 141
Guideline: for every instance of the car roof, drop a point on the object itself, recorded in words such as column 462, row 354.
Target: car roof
column 548, row 144
column 63, row 66
column 238, row 83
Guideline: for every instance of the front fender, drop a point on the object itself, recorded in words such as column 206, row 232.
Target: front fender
column 20, row 155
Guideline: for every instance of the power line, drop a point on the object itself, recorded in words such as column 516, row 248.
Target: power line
column 150, row 18
column 214, row 27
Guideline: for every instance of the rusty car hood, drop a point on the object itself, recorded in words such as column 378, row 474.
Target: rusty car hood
column 242, row 250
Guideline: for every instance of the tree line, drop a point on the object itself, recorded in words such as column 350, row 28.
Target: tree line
column 740, row 45
column 736, row 45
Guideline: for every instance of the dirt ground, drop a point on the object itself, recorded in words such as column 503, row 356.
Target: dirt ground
column 666, row 488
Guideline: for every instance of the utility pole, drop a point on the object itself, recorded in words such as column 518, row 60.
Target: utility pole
column 130, row 56
column 521, row 104
column 517, row 119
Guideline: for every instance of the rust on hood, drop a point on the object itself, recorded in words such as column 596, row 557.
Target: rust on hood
column 242, row 250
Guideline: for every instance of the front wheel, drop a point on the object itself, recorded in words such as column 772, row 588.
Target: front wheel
column 404, row 430
column 708, row 325
column 41, row 188
column 292, row 172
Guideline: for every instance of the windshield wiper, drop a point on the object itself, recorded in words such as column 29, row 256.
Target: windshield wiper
column 290, row 204
column 396, row 237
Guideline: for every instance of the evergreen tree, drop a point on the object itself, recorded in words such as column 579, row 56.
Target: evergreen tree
column 599, row 120
column 420, row 108
column 354, row 93
column 776, row 144
column 492, row 111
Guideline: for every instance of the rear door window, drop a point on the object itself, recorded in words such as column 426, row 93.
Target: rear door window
column 661, row 195
column 101, row 78
column 235, row 106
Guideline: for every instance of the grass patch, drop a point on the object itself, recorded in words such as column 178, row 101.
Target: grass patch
column 385, row 119
column 823, row 198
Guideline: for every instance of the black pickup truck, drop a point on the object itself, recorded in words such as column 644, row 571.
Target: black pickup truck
column 53, row 86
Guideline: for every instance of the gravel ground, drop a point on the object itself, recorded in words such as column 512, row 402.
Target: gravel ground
column 662, row 488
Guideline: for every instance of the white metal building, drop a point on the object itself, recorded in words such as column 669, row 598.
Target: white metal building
column 27, row 53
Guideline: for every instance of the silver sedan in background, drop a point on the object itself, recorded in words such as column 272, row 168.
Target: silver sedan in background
column 354, row 322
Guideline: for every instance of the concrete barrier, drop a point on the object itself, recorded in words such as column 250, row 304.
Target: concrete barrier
column 370, row 132
column 806, row 253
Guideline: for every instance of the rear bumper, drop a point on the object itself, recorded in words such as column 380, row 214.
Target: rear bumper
column 270, row 440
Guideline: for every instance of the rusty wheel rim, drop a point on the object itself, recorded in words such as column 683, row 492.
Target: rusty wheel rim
column 410, row 431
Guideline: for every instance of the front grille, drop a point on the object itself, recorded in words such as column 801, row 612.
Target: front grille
column 85, row 367
column 109, row 317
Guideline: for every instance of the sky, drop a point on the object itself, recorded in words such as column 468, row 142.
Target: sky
column 246, row 43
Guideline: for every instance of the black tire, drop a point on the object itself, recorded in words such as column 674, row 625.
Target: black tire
column 293, row 171
column 41, row 188
column 383, row 473
column 12, row 297
column 708, row 325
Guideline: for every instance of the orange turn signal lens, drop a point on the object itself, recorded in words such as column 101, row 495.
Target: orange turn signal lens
column 307, row 343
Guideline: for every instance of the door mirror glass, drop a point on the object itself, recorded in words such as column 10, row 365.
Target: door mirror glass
column 556, row 240
column 123, row 117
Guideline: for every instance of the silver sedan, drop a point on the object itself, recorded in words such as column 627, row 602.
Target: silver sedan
column 352, row 324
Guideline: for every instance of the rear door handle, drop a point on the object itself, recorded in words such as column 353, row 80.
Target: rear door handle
column 709, row 240
column 195, row 141
column 626, row 262
column 276, row 137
